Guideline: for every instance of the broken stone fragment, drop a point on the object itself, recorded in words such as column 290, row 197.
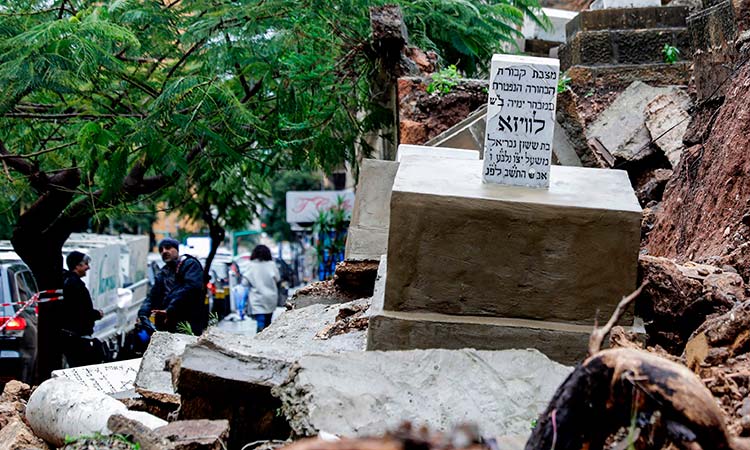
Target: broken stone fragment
column 621, row 128
column 228, row 376
column 15, row 391
column 346, row 394
column 179, row 435
column 679, row 297
column 154, row 380
column 17, row 436
column 667, row 120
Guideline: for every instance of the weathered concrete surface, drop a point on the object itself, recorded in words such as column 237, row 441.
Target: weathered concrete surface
column 391, row 330
column 561, row 342
column 179, row 435
column 633, row 18
column 621, row 128
column 563, row 254
column 228, row 376
column 368, row 229
column 441, row 151
column 504, row 392
column 61, row 408
column 154, row 379
column 667, row 120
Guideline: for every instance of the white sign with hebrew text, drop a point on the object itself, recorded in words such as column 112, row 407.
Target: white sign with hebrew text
column 520, row 120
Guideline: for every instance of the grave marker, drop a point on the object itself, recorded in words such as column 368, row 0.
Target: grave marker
column 520, row 120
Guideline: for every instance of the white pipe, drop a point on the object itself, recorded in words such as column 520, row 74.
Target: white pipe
column 61, row 408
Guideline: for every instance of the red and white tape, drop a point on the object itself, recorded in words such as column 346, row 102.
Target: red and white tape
column 49, row 295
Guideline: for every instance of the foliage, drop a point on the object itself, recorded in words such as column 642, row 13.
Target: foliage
column 671, row 54
column 274, row 217
column 444, row 81
column 330, row 236
column 185, row 328
column 213, row 319
column 106, row 441
column 107, row 104
column 563, row 83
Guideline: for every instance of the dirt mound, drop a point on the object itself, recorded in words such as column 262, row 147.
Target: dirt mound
column 709, row 194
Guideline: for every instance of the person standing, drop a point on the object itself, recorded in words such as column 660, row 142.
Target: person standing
column 177, row 295
column 78, row 315
column 263, row 276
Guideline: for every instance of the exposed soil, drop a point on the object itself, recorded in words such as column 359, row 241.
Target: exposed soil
column 705, row 201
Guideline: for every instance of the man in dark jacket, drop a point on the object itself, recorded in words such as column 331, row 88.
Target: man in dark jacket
column 78, row 314
column 177, row 295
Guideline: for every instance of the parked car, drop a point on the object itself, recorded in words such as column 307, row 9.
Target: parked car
column 18, row 339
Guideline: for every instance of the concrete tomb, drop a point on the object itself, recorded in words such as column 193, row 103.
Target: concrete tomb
column 473, row 264
column 520, row 120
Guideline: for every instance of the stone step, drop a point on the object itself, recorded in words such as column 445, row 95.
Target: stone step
column 623, row 47
column 627, row 19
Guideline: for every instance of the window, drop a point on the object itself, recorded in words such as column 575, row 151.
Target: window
column 26, row 287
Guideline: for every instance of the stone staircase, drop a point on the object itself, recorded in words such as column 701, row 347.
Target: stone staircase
column 629, row 36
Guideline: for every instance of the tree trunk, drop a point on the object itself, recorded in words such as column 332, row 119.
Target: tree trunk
column 41, row 250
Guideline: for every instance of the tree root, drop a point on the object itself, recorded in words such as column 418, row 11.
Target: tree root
column 656, row 400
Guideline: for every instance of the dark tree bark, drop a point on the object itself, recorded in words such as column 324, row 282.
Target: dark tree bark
column 622, row 388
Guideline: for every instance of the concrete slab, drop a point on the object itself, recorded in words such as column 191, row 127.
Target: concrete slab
column 667, row 120
column 368, row 229
column 154, row 379
column 435, row 152
column 390, row 330
column 230, row 376
column 458, row 246
column 621, row 128
column 367, row 394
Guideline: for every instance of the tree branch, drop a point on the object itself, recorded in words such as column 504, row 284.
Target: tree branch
column 598, row 335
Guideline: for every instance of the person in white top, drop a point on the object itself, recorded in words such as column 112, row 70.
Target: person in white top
column 264, row 277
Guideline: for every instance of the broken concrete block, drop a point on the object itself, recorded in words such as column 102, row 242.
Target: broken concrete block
column 319, row 293
column 154, row 380
column 61, row 408
column 368, row 229
column 667, row 120
column 228, row 376
column 621, row 128
column 17, row 436
column 367, row 394
column 461, row 247
column 195, row 434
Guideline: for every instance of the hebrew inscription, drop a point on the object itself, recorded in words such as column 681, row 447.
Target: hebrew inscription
column 520, row 120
